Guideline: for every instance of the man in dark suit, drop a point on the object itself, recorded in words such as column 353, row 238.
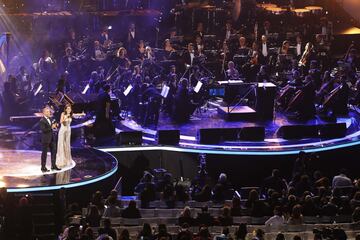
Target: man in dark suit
column 48, row 140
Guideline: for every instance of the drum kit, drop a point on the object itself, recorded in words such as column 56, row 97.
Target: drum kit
column 299, row 12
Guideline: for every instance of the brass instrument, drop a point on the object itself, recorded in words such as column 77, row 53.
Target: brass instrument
column 304, row 58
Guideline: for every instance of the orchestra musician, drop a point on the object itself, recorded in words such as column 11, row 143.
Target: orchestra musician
column 264, row 49
column 183, row 106
column 228, row 31
column 168, row 50
column 243, row 50
column 140, row 53
column 24, row 80
column 199, row 45
column 299, row 47
column 121, row 58
column 46, row 69
column 132, row 38
column 189, row 55
column 232, row 73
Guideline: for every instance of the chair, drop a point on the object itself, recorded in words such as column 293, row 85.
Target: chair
column 131, row 222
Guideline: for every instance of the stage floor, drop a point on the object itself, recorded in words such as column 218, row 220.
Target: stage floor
column 20, row 170
column 210, row 118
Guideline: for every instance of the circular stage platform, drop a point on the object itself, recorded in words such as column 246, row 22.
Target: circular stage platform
column 20, row 170
column 273, row 143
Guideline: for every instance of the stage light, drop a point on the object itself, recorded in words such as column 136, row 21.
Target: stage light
column 109, row 27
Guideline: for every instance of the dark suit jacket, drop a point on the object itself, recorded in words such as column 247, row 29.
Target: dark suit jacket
column 46, row 131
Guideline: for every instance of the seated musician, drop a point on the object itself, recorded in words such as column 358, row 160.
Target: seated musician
column 302, row 102
column 228, row 31
column 243, row 50
column 183, row 106
column 199, row 45
column 263, row 74
column 24, row 80
column 121, row 58
column 284, row 61
column 353, row 59
column 140, row 52
column 299, row 47
column 199, row 30
column 168, row 50
column 98, row 54
column 189, row 55
column 315, row 73
column 232, row 73
column 336, row 101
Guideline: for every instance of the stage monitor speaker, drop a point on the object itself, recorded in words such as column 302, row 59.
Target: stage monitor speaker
column 252, row 134
column 130, row 138
column 209, row 135
column 230, row 134
column 333, row 130
column 168, row 137
column 291, row 132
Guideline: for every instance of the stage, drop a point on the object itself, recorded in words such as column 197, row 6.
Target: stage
column 20, row 170
column 273, row 142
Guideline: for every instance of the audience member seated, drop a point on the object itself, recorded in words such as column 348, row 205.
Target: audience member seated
column 309, row 208
column 225, row 219
column 356, row 215
column 131, row 211
column 162, row 233
column 146, row 190
column 185, row 217
column 107, row 229
column 104, row 235
column 341, row 180
column 222, row 190
column 277, row 220
column 330, row 208
column 258, row 234
column 112, row 210
column 93, row 217
column 236, row 207
column 355, row 201
column 204, row 195
column 280, row 236
column 88, row 234
column 113, row 195
column 241, row 232
column 146, row 232
column 184, row 233
column 275, row 182
column 296, row 218
column 98, row 201
column 125, row 235
column 203, row 234
column 225, row 234
column 204, row 218
column 303, row 185
column 257, row 207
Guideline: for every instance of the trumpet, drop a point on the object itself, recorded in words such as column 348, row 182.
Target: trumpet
column 303, row 60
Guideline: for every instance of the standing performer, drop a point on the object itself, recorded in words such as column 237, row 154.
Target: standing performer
column 63, row 155
column 48, row 141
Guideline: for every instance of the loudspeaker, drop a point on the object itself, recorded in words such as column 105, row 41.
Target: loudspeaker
column 333, row 130
column 252, row 134
column 168, row 137
column 292, row 132
column 209, row 135
column 130, row 138
column 230, row 134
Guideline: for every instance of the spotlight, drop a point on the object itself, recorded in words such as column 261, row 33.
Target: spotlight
column 109, row 27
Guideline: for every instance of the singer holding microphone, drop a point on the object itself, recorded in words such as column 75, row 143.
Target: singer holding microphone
column 48, row 139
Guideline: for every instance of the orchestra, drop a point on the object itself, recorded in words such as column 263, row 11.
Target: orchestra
column 306, row 77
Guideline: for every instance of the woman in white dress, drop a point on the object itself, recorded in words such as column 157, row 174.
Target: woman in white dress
column 63, row 155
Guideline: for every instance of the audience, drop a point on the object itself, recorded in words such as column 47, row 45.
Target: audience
column 277, row 220
column 186, row 217
column 146, row 232
column 341, row 180
column 296, row 218
column 204, row 218
column 225, row 219
column 131, row 211
column 107, row 229
column 93, row 217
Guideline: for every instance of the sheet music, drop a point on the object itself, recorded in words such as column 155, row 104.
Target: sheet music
column 85, row 89
column 38, row 90
column 127, row 90
column 165, row 91
column 198, row 86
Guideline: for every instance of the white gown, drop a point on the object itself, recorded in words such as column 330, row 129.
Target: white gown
column 63, row 155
